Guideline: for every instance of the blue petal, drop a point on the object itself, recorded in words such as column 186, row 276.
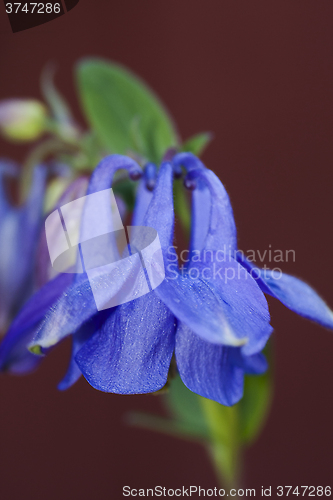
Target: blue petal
column 150, row 174
column 207, row 369
column 160, row 215
column 14, row 354
column 74, row 307
column 198, row 305
column 221, row 230
column 143, row 199
column 131, row 353
column 7, row 169
column 292, row 292
column 253, row 365
column 201, row 202
column 219, row 301
column 187, row 160
column 200, row 218
column 102, row 176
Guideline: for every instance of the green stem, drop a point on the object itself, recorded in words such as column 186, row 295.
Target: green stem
column 224, row 448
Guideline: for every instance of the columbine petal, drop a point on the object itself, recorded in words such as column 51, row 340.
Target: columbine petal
column 221, row 230
column 75, row 306
column 253, row 365
column 201, row 210
column 143, row 199
column 201, row 201
column 102, row 176
column 160, row 215
column 131, row 353
column 292, row 292
column 187, row 160
column 207, row 369
column 218, row 301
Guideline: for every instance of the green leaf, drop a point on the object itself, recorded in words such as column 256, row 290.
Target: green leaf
column 116, row 102
column 254, row 406
column 197, row 143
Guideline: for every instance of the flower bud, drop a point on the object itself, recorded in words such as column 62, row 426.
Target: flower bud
column 22, row 120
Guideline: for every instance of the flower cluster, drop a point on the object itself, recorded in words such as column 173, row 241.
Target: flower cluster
column 215, row 328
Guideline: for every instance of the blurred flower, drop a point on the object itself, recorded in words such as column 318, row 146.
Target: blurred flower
column 14, row 355
column 212, row 315
column 22, row 120
column 20, row 228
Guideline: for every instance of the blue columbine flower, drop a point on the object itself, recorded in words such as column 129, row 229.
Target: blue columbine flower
column 215, row 325
column 20, row 228
column 135, row 342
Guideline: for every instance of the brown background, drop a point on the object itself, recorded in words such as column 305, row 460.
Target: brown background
column 260, row 75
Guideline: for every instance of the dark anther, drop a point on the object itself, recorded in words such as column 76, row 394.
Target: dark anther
column 150, row 184
column 150, row 172
column 177, row 171
column 190, row 184
column 135, row 175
